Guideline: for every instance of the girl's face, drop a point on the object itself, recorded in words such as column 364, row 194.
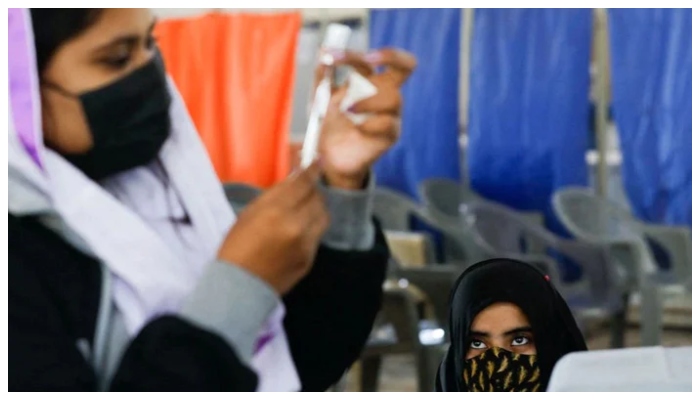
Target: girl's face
column 501, row 325
column 119, row 42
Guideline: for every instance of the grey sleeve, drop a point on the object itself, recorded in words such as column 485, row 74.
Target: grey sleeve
column 232, row 303
column 351, row 225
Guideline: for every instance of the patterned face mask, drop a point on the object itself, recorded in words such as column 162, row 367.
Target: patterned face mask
column 498, row 370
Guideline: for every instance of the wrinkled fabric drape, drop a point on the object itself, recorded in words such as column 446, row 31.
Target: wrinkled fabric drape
column 528, row 108
column 428, row 147
column 651, row 67
column 236, row 74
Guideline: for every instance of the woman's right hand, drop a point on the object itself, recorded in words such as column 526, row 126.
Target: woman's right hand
column 277, row 235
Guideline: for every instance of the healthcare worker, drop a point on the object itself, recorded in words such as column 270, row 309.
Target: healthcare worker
column 127, row 267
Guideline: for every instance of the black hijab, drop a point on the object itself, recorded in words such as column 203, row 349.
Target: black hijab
column 503, row 280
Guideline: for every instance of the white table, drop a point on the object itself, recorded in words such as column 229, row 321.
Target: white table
column 642, row 369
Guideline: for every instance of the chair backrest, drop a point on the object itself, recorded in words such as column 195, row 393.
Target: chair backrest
column 445, row 195
column 448, row 197
column 597, row 220
column 240, row 194
column 500, row 227
column 501, row 231
column 592, row 218
column 504, row 229
column 394, row 210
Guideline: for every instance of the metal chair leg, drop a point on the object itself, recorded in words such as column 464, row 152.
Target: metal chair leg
column 427, row 364
column 650, row 314
column 369, row 374
column 618, row 325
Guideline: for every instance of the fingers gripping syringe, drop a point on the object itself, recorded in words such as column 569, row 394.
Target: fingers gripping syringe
column 358, row 88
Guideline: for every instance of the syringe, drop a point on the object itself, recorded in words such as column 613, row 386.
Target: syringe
column 336, row 39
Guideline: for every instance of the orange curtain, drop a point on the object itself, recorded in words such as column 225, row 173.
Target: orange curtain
column 236, row 74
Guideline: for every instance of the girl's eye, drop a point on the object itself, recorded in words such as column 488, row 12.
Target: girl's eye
column 118, row 58
column 117, row 62
column 520, row 341
column 477, row 344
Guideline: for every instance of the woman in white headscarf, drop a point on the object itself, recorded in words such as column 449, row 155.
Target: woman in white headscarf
column 128, row 269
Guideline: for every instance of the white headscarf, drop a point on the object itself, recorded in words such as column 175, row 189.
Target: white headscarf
column 149, row 278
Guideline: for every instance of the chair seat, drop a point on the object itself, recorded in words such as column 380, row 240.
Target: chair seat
column 584, row 302
column 664, row 278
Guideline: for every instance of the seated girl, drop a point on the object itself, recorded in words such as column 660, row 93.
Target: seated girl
column 509, row 326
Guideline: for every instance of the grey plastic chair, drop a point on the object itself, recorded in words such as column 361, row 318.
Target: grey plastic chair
column 394, row 210
column 447, row 196
column 501, row 232
column 436, row 282
column 596, row 220
column 400, row 330
column 240, row 194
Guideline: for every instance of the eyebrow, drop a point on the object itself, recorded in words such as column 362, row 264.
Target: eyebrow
column 129, row 38
column 520, row 329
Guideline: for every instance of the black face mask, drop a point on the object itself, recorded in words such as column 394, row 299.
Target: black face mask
column 498, row 370
column 128, row 119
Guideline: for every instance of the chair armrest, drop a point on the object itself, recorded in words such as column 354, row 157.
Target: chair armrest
column 436, row 282
column 408, row 290
column 677, row 242
column 607, row 278
column 676, row 239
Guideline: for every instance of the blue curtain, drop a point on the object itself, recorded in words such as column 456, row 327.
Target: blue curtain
column 529, row 111
column 651, row 63
column 529, row 108
column 428, row 146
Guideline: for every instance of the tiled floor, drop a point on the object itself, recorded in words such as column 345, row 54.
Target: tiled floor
column 398, row 372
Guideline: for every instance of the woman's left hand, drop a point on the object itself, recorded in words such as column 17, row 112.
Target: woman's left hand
column 347, row 150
